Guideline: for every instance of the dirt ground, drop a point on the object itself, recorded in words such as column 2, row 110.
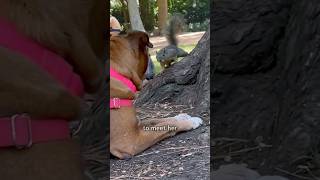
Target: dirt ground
column 183, row 39
column 182, row 157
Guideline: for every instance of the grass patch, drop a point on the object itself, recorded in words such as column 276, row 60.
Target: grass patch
column 157, row 67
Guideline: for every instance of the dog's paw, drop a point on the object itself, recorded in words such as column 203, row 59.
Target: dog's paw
column 182, row 116
column 196, row 121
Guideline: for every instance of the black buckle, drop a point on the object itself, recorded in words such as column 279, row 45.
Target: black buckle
column 115, row 30
column 20, row 119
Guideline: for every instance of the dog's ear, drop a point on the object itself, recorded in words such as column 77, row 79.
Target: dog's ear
column 140, row 38
column 145, row 41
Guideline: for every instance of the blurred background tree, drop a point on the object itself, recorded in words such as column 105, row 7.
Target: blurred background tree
column 195, row 12
column 147, row 14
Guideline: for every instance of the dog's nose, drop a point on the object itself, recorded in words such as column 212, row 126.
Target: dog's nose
column 150, row 45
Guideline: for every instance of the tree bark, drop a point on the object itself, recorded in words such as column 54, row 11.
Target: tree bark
column 163, row 14
column 185, row 82
column 266, row 80
column 135, row 19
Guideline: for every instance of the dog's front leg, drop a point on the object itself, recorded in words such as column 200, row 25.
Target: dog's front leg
column 152, row 131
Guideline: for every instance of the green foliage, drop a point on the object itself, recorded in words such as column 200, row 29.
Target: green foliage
column 148, row 14
column 196, row 12
column 195, row 27
column 116, row 10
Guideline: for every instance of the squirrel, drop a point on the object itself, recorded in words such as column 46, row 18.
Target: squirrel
column 170, row 53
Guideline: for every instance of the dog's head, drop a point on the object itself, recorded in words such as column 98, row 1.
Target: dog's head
column 139, row 42
column 130, row 50
column 52, row 23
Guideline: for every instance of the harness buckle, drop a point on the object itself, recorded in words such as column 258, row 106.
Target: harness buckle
column 21, row 131
column 116, row 103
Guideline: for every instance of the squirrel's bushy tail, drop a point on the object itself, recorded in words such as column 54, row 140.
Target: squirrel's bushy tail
column 175, row 26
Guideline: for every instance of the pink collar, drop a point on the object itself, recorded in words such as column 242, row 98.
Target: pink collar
column 44, row 58
column 124, row 80
column 21, row 130
column 116, row 103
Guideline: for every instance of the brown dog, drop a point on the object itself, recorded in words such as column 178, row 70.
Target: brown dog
column 63, row 27
column 128, row 136
column 74, row 30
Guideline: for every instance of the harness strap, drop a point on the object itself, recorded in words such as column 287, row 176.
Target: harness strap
column 124, row 80
column 50, row 62
column 116, row 103
column 20, row 130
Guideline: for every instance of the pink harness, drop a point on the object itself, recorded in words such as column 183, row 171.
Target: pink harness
column 116, row 103
column 20, row 130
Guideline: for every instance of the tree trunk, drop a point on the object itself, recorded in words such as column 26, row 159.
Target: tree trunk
column 185, row 82
column 266, row 79
column 93, row 133
column 163, row 14
column 135, row 19
column 146, row 12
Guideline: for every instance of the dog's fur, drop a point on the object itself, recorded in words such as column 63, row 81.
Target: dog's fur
column 128, row 55
column 66, row 28
column 75, row 30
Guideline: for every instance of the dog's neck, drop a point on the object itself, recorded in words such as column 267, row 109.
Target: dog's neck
column 51, row 22
column 31, row 19
column 4, row 10
column 128, row 58
column 142, row 64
